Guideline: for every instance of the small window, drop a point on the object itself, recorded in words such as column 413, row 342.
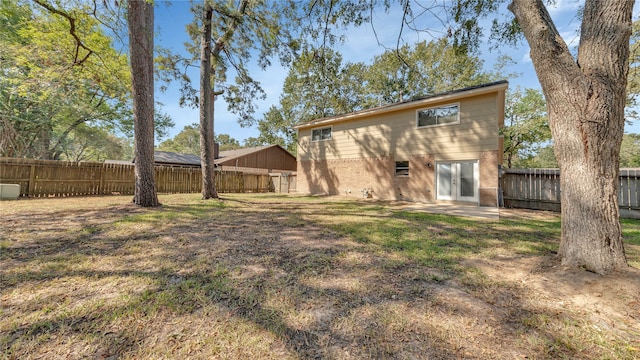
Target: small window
column 402, row 168
column 441, row 115
column 321, row 134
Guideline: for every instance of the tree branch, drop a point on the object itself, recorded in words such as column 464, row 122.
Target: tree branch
column 548, row 51
column 235, row 22
column 617, row 28
column 326, row 25
column 72, row 31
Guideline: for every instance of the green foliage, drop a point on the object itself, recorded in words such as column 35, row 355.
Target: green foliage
column 226, row 142
column 630, row 150
column 187, row 141
column 95, row 144
column 57, row 97
column 320, row 84
column 545, row 157
column 467, row 32
column 257, row 32
column 527, row 128
column 263, row 31
column 254, row 141
column 275, row 128
column 633, row 81
column 415, row 71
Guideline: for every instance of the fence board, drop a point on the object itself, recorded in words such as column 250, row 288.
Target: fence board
column 43, row 178
column 540, row 189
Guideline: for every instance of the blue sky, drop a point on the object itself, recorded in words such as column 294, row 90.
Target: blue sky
column 360, row 46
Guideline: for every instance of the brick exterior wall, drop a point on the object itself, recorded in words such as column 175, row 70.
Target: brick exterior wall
column 419, row 185
column 350, row 177
column 489, row 178
column 347, row 177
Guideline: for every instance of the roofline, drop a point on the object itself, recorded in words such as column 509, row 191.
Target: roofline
column 447, row 96
column 263, row 147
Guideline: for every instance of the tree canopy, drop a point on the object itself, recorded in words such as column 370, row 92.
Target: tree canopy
column 425, row 68
column 63, row 94
column 187, row 141
column 321, row 84
column 526, row 126
column 629, row 154
column 54, row 94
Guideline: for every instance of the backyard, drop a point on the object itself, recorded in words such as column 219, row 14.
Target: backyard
column 268, row 276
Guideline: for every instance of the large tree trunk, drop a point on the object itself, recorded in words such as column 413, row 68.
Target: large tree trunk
column 206, row 109
column 141, row 52
column 585, row 100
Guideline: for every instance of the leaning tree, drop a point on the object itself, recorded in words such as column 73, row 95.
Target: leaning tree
column 586, row 100
column 585, row 93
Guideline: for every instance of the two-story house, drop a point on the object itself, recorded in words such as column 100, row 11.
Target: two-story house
column 443, row 147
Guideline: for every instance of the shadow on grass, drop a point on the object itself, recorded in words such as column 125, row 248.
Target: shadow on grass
column 398, row 291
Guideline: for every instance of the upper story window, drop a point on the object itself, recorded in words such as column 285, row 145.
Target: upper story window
column 321, row 134
column 441, row 115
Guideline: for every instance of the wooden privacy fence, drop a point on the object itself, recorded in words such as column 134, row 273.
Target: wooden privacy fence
column 44, row 178
column 540, row 189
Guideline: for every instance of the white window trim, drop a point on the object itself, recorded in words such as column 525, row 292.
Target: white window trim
column 321, row 128
column 435, row 107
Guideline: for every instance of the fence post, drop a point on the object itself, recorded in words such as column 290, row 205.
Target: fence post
column 32, row 180
column 101, row 183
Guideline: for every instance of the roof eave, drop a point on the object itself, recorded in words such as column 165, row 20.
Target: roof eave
column 405, row 105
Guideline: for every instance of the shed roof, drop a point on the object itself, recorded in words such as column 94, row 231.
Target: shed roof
column 237, row 153
column 449, row 95
column 167, row 157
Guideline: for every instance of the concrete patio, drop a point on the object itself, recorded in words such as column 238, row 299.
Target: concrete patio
column 491, row 213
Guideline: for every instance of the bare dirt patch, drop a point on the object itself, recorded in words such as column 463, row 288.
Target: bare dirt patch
column 271, row 276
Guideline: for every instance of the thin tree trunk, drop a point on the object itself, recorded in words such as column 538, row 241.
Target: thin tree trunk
column 585, row 100
column 206, row 93
column 206, row 110
column 141, row 52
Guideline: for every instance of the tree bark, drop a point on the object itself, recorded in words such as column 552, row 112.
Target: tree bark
column 141, row 52
column 585, row 103
column 206, row 109
column 207, row 97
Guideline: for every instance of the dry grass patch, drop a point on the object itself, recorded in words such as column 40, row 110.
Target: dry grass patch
column 276, row 277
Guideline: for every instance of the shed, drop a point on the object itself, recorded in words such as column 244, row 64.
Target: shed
column 268, row 158
column 260, row 159
column 166, row 158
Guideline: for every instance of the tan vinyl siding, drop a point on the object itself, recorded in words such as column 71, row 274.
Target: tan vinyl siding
column 396, row 134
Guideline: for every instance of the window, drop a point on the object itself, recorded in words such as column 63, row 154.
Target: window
column 321, row 134
column 441, row 115
column 402, row 168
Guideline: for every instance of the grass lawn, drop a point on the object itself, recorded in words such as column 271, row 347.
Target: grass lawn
column 270, row 276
